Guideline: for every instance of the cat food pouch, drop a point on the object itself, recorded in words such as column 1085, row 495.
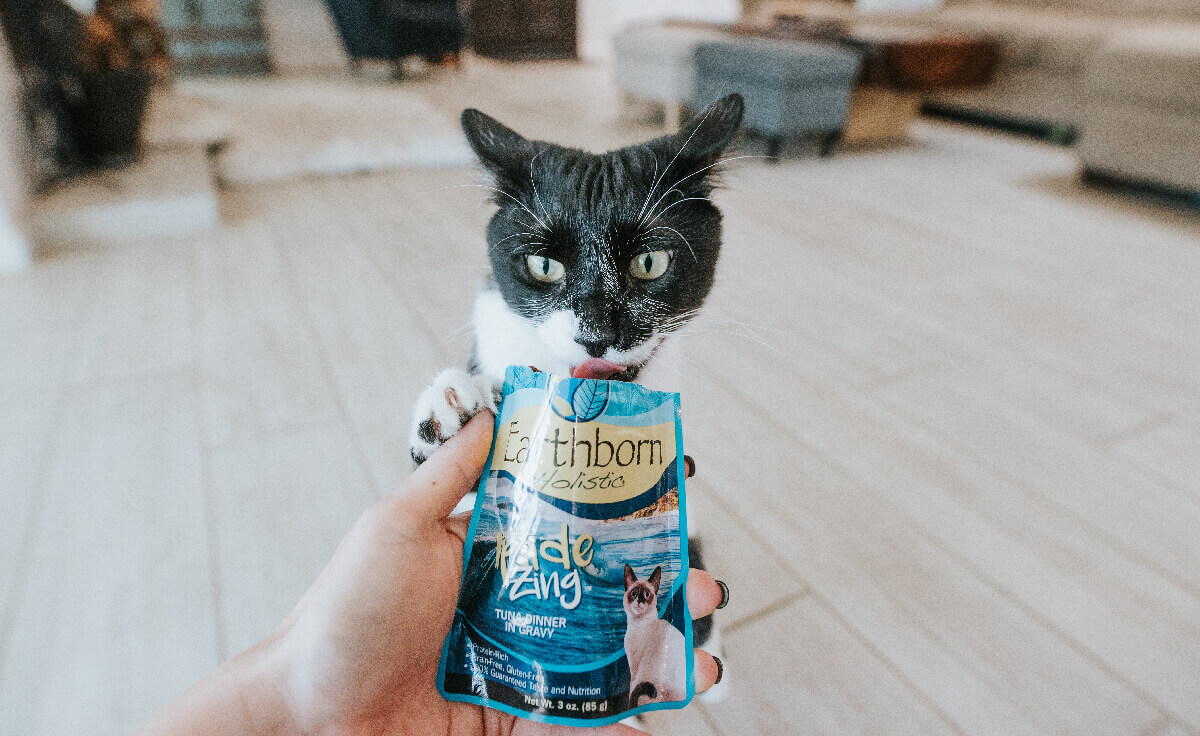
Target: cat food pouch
column 572, row 609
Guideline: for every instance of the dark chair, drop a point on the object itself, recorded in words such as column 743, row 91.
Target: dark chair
column 431, row 28
column 393, row 29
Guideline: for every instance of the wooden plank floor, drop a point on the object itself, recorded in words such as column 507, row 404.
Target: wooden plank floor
column 944, row 407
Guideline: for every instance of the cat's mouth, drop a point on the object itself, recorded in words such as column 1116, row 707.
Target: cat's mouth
column 602, row 369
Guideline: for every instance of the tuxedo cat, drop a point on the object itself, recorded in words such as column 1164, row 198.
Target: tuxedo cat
column 597, row 261
column 654, row 648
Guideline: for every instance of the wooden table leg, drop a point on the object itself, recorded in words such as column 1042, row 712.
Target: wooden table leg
column 878, row 114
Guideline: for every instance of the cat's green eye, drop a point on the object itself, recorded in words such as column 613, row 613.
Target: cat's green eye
column 546, row 270
column 651, row 265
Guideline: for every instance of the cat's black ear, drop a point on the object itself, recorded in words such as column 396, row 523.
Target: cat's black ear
column 501, row 150
column 705, row 137
column 655, row 578
column 630, row 577
column 691, row 154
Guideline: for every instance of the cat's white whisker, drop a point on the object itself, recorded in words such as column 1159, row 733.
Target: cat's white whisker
column 678, row 202
column 700, row 331
column 451, row 337
column 650, row 192
column 518, row 202
column 709, row 317
column 646, row 221
column 685, row 240
column 675, row 158
column 533, row 182
column 699, row 171
column 510, row 237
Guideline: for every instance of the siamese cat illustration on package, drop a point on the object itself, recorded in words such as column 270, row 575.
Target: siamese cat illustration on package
column 598, row 261
column 653, row 647
column 584, row 486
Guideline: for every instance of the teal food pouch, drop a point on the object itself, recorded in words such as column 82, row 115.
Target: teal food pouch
column 573, row 608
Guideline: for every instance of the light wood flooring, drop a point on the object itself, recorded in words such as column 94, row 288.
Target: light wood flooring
column 945, row 413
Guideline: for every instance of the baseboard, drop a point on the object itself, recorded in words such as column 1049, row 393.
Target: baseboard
column 1141, row 188
column 1061, row 134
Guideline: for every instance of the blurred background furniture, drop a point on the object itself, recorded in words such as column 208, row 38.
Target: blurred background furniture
column 45, row 38
column 1141, row 119
column 516, row 30
column 216, row 36
column 361, row 27
column 1045, row 51
column 657, row 63
column 86, row 80
column 429, row 28
column 600, row 21
column 901, row 67
column 393, row 29
column 791, row 87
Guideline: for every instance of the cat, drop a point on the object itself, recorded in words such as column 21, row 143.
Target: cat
column 598, row 260
column 654, row 648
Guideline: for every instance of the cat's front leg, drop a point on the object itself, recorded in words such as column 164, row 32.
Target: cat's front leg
column 442, row 409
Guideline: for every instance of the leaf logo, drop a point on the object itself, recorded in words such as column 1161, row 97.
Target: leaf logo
column 562, row 407
column 589, row 399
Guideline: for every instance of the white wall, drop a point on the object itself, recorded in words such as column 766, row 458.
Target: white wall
column 600, row 19
column 894, row 6
column 301, row 37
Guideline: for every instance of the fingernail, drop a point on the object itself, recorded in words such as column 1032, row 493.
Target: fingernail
column 689, row 466
column 724, row 594
column 720, row 669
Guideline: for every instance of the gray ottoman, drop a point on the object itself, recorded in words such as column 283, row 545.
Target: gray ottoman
column 791, row 87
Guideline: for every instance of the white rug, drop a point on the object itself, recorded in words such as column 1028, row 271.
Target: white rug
column 283, row 128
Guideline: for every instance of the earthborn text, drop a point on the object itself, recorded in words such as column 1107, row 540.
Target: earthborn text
column 584, row 449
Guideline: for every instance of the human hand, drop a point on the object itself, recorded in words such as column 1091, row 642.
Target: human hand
column 360, row 652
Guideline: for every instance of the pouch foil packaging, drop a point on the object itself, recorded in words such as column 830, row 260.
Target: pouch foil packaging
column 572, row 609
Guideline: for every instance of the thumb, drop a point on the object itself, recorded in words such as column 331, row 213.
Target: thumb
column 436, row 487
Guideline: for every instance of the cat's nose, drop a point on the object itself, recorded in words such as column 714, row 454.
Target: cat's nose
column 597, row 330
column 594, row 347
column 597, row 339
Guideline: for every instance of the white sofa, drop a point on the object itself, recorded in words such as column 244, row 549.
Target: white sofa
column 1123, row 74
column 1047, row 46
column 1141, row 117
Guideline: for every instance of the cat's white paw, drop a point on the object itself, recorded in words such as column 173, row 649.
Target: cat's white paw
column 446, row 406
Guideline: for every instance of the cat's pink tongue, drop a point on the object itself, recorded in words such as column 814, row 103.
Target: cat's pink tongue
column 596, row 368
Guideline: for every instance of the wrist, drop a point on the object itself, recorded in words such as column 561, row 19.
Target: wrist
column 258, row 686
column 246, row 695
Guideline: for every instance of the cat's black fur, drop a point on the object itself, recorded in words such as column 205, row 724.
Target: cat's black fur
column 595, row 212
